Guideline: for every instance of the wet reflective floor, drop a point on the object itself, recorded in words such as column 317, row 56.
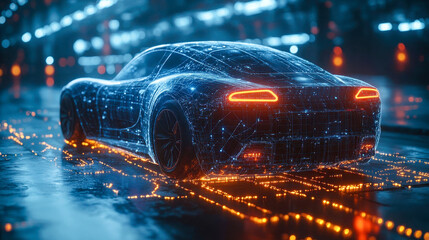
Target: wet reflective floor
column 50, row 189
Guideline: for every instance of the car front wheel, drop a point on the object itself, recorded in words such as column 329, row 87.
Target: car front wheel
column 70, row 125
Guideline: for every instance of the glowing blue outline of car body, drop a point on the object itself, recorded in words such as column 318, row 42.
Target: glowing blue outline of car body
column 316, row 120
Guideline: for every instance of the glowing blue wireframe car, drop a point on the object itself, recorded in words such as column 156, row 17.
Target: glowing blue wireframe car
column 224, row 107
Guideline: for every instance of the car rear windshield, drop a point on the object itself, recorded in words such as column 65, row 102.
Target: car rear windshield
column 242, row 63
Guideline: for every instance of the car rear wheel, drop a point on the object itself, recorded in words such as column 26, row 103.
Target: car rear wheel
column 70, row 125
column 172, row 142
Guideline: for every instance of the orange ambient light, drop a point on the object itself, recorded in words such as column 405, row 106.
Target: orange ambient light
column 16, row 70
column 365, row 93
column 337, row 61
column 261, row 95
column 49, row 70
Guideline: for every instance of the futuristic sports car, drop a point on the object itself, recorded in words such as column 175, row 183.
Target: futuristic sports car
column 224, row 107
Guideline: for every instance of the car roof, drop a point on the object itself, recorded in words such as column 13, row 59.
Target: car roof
column 256, row 63
column 209, row 46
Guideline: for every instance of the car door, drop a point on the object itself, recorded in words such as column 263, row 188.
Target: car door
column 120, row 102
column 118, row 107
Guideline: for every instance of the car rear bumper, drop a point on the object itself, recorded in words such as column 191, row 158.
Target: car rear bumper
column 297, row 154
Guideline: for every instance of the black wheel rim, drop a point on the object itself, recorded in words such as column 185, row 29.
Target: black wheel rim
column 167, row 139
column 67, row 117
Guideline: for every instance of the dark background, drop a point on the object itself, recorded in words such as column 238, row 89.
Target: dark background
column 49, row 190
column 97, row 38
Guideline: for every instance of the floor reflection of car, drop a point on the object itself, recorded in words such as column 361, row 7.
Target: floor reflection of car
column 203, row 107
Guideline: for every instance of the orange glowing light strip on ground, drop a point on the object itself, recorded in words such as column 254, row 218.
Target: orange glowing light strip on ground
column 377, row 94
column 250, row 98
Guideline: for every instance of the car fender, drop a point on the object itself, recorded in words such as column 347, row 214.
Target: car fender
column 84, row 93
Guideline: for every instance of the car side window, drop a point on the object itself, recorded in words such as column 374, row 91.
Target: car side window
column 182, row 62
column 175, row 61
column 143, row 65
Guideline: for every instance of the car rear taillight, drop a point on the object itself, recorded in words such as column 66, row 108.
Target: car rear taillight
column 366, row 93
column 260, row 95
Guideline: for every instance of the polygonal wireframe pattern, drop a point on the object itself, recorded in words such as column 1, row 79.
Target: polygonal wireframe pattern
column 316, row 119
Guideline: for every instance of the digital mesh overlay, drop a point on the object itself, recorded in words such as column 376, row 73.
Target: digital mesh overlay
column 250, row 108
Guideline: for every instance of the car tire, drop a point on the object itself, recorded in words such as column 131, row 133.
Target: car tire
column 172, row 142
column 70, row 124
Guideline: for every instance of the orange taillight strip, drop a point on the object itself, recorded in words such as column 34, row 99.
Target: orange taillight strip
column 235, row 96
column 362, row 90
